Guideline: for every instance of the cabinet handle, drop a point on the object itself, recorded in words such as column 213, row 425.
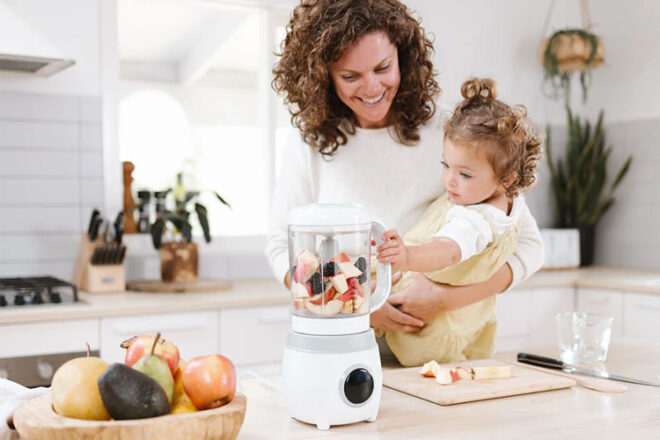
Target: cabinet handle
column 131, row 330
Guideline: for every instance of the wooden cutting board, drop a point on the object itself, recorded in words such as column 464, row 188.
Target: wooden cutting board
column 522, row 381
column 158, row 286
column 36, row 420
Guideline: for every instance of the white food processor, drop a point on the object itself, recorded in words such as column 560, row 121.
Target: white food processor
column 331, row 371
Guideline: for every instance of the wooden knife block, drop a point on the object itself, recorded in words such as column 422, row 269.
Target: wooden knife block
column 96, row 278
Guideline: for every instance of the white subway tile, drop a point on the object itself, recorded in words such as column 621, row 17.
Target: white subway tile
column 39, row 134
column 91, row 192
column 38, row 191
column 59, row 269
column 39, row 163
column 91, row 164
column 90, row 137
column 35, row 247
column 90, row 109
column 33, row 106
column 40, row 219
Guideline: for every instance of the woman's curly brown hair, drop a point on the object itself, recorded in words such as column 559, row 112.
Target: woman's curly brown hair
column 508, row 138
column 318, row 33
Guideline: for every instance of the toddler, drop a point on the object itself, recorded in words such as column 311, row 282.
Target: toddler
column 490, row 155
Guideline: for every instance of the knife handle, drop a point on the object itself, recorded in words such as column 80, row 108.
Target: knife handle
column 541, row 361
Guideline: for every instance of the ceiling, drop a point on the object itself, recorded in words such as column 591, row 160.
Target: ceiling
column 192, row 38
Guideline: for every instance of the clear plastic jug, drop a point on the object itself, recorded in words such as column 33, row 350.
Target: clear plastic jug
column 329, row 261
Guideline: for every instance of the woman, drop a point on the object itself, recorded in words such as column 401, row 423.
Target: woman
column 358, row 78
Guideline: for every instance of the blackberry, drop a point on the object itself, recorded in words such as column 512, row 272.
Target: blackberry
column 362, row 278
column 330, row 269
column 317, row 283
column 361, row 264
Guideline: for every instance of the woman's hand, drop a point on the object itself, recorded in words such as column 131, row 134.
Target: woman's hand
column 389, row 318
column 422, row 299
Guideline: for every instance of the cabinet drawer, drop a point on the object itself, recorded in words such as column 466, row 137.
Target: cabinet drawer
column 605, row 302
column 48, row 337
column 194, row 333
column 641, row 316
column 254, row 335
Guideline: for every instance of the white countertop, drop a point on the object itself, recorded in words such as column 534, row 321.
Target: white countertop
column 256, row 293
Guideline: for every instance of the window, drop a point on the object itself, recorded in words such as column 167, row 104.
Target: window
column 195, row 97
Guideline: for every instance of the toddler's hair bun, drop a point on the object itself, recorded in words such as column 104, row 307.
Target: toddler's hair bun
column 483, row 89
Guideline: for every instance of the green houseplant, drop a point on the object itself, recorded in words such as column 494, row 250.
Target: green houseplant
column 579, row 181
column 179, row 259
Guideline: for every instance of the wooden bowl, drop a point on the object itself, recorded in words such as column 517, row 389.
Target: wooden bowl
column 36, row 420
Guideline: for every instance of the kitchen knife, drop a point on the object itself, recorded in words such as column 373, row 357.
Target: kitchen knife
column 95, row 257
column 95, row 228
column 556, row 364
column 92, row 222
column 122, row 254
column 119, row 227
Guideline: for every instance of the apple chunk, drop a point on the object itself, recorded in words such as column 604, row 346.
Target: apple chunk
column 330, row 309
column 306, row 265
column 298, row 290
column 349, row 270
column 339, row 281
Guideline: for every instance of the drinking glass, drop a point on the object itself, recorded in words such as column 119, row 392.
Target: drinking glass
column 584, row 338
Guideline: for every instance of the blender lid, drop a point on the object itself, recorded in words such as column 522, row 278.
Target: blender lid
column 329, row 214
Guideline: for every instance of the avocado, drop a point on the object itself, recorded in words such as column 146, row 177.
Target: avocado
column 130, row 394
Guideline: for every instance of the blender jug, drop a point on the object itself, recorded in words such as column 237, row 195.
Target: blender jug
column 330, row 268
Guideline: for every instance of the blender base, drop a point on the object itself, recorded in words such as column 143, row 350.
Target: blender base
column 332, row 380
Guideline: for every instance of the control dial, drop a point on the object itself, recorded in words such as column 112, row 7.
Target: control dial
column 358, row 386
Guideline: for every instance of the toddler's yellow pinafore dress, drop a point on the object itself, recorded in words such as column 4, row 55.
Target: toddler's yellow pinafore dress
column 466, row 333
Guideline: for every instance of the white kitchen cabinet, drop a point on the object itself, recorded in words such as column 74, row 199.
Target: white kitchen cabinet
column 194, row 333
column 254, row 335
column 48, row 337
column 605, row 302
column 513, row 320
column 546, row 303
column 526, row 317
column 641, row 318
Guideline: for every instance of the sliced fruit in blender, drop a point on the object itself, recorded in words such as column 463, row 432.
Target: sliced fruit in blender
column 324, row 297
column 339, row 281
column 298, row 290
column 348, row 295
column 329, row 309
column 340, row 258
column 306, row 265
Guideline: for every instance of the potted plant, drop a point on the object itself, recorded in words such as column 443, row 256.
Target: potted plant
column 179, row 259
column 579, row 181
column 568, row 51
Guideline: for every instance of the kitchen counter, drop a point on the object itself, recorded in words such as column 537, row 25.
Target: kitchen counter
column 255, row 293
column 570, row 413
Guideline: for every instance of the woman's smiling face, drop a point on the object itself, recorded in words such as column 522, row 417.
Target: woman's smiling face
column 366, row 79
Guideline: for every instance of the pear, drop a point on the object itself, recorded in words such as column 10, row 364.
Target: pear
column 156, row 367
column 74, row 389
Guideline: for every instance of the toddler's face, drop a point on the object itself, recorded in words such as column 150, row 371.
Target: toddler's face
column 467, row 176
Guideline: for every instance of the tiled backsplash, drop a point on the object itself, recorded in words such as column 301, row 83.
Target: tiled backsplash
column 629, row 234
column 51, row 176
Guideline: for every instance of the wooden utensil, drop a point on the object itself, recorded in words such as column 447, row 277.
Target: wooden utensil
column 36, row 420
column 602, row 385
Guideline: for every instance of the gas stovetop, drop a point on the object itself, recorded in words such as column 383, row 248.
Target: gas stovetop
column 35, row 291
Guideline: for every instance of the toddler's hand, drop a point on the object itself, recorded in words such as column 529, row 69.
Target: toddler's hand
column 393, row 250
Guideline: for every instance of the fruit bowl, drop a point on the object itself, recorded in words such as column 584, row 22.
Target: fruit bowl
column 36, row 420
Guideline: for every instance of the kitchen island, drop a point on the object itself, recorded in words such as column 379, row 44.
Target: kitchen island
column 573, row 413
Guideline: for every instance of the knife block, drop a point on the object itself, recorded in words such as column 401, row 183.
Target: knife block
column 96, row 278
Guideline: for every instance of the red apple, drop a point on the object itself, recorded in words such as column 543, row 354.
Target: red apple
column 349, row 295
column 209, row 381
column 306, row 265
column 138, row 346
column 353, row 283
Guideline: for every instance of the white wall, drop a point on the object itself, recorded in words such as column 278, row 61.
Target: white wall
column 73, row 27
column 501, row 39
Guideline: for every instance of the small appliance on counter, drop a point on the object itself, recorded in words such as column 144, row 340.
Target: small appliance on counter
column 331, row 371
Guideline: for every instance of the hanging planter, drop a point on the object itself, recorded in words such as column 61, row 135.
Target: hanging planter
column 569, row 51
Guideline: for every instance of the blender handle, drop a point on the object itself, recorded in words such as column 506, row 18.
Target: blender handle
column 383, row 273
